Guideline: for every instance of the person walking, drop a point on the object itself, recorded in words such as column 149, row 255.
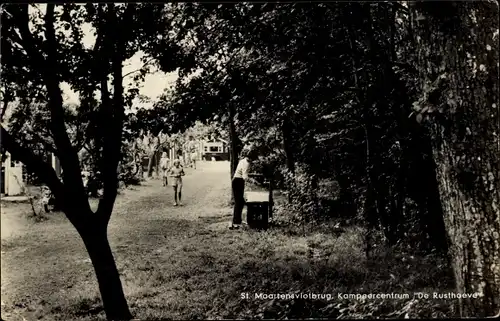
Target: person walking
column 180, row 158
column 164, row 168
column 194, row 155
column 176, row 172
column 238, row 185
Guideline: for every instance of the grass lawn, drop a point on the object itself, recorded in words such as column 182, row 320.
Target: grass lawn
column 183, row 263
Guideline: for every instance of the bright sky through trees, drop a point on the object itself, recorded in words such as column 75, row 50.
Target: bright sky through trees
column 153, row 85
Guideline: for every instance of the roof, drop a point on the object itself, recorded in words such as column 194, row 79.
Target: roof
column 215, row 140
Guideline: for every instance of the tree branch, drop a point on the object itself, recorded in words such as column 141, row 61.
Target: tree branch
column 27, row 41
column 80, row 140
column 147, row 63
column 48, row 69
column 115, row 112
column 68, row 156
column 48, row 146
column 7, row 98
column 34, row 164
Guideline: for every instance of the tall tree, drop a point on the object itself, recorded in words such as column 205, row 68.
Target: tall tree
column 43, row 58
column 40, row 51
column 457, row 46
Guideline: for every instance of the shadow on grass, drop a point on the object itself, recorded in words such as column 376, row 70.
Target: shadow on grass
column 177, row 269
column 204, row 275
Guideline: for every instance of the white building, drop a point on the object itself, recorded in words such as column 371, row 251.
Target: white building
column 217, row 149
column 12, row 181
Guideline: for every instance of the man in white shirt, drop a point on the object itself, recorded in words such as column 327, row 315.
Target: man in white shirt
column 238, row 184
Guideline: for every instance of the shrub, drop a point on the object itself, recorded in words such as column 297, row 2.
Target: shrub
column 302, row 198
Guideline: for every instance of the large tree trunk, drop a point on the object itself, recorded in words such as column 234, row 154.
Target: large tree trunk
column 289, row 153
column 345, row 196
column 91, row 227
column 424, row 190
column 71, row 192
column 376, row 167
column 157, row 164
column 433, row 217
column 95, row 235
column 371, row 215
column 96, row 242
column 458, row 61
column 234, row 140
column 151, row 157
column 287, row 146
column 234, row 149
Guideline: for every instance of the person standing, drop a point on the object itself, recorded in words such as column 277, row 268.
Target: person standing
column 238, row 185
column 194, row 155
column 180, row 158
column 176, row 172
column 164, row 168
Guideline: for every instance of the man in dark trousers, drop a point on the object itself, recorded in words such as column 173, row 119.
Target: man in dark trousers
column 238, row 184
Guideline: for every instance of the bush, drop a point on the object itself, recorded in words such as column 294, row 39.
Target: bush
column 271, row 167
column 302, row 199
column 128, row 175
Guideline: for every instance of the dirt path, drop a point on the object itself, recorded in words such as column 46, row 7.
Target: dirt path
column 48, row 259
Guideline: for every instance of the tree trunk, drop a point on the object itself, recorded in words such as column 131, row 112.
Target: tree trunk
column 345, row 196
column 425, row 191
column 376, row 170
column 473, row 223
column 370, row 210
column 150, row 164
column 433, row 217
column 458, row 58
column 91, row 227
column 7, row 97
column 157, row 165
column 96, row 242
column 235, row 148
column 289, row 154
column 287, row 146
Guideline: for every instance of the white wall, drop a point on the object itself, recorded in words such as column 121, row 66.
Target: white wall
column 14, row 184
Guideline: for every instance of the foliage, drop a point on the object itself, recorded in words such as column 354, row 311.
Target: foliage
column 43, row 48
column 331, row 88
column 302, row 196
column 328, row 92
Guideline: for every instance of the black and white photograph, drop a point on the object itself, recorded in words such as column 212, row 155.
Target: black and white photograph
column 250, row 160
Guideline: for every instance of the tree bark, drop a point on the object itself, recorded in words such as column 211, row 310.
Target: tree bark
column 423, row 186
column 97, row 245
column 235, row 148
column 370, row 213
column 157, row 165
column 7, row 98
column 287, row 146
column 71, row 192
column 115, row 112
column 90, row 226
column 458, row 58
column 345, row 196
column 433, row 216
column 151, row 157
